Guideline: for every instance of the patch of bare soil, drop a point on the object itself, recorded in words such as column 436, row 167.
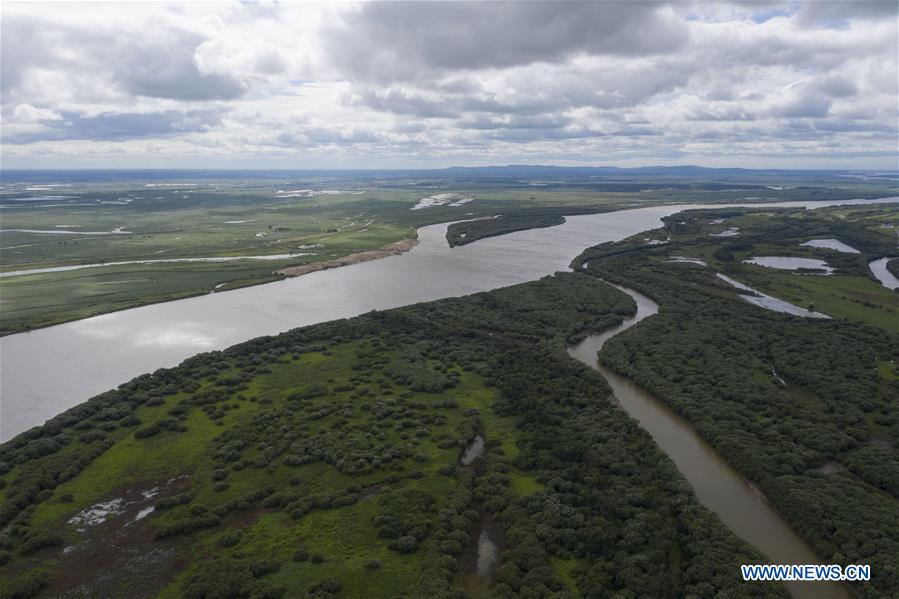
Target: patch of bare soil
column 392, row 249
column 113, row 553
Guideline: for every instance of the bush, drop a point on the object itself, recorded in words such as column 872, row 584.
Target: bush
column 230, row 539
column 404, row 544
column 27, row 585
column 325, row 588
column 39, row 541
column 147, row 431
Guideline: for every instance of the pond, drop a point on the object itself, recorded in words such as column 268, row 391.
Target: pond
column 789, row 263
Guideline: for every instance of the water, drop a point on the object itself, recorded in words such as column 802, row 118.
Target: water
column 831, row 244
column 886, row 278
column 718, row 486
column 770, row 303
column 731, row 232
column 488, row 556
column 687, row 260
column 473, row 452
column 36, row 271
column 789, row 263
column 118, row 231
column 46, row 371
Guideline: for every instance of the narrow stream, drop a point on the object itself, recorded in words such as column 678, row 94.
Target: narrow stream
column 718, row 487
column 482, row 557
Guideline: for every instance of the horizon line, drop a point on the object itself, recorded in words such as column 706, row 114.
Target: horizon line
column 443, row 168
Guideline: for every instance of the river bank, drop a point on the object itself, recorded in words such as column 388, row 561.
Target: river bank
column 392, row 249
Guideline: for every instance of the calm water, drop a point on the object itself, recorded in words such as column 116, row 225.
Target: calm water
column 886, row 278
column 770, row 303
column 831, row 244
column 38, row 271
column 718, row 486
column 46, row 371
column 789, row 263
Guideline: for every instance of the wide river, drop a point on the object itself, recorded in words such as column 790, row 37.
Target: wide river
column 47, row 371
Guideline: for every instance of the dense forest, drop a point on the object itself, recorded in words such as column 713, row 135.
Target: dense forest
column 808, row 409
column 326, row 462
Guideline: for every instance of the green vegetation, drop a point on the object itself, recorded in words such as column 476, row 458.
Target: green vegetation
column 893, row 267
column 470, row 231
column 808, row 409
column 325, row 461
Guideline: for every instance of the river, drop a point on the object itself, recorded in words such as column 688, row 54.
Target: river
column 886, row 278
column 47, row 371
column 718, row 486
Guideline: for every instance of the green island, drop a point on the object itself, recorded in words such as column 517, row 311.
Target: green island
column 326, row 461
column 469, row 231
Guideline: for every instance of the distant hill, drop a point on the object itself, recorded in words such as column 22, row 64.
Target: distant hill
column 500, row 172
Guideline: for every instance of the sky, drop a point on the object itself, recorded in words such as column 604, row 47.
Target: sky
column 766, row 84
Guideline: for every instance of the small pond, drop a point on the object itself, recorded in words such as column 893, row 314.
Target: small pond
column 789, row 263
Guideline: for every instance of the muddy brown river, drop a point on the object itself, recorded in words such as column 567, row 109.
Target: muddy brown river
column 717, row 485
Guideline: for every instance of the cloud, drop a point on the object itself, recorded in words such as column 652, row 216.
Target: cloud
column 111, row 126
column 30, row 114
column 159, row 62
column 425, row 84
column 397, row 41
column 167, row 66
column 839, row 13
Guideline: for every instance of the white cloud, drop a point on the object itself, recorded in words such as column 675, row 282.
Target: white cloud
column 29, row 114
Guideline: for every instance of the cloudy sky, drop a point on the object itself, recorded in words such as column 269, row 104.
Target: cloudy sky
column 379, row 85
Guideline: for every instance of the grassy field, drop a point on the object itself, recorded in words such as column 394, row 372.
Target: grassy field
column 346, row 538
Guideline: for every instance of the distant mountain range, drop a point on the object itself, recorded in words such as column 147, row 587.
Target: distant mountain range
column 511, row 171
